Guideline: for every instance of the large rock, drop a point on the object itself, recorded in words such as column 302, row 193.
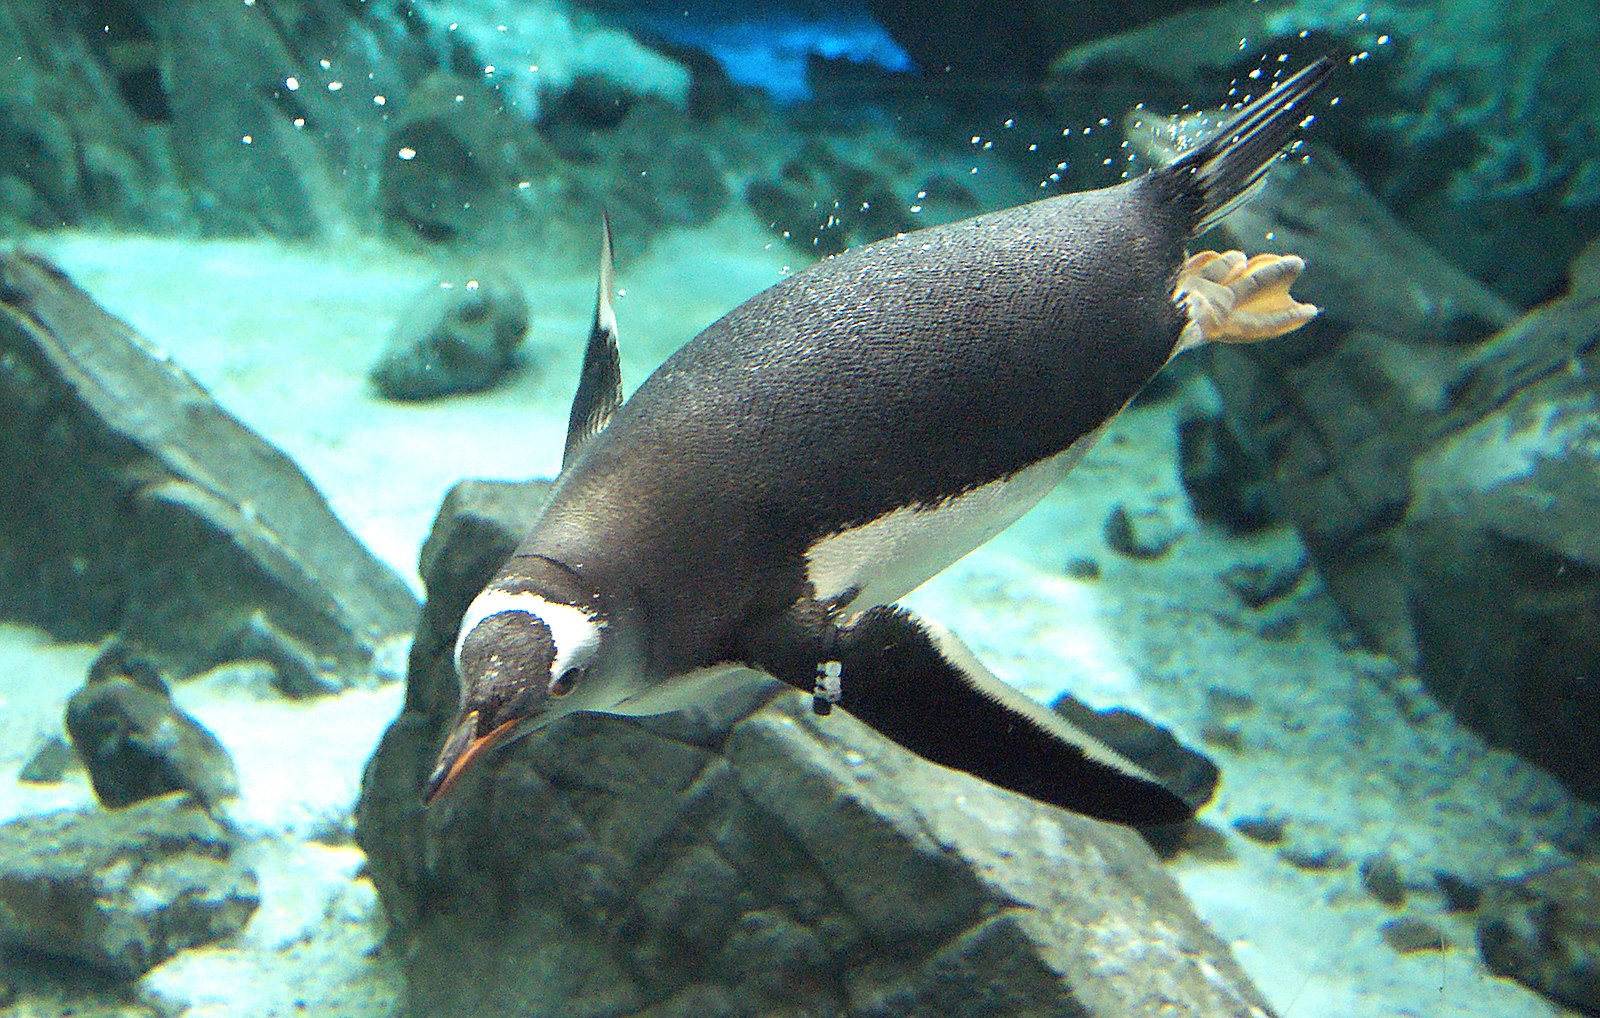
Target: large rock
column 456, row 160
column 137, row 506
column 1543, row 930
column 72, row 150
column 1500, row 547
column 1339, row 410
column 459, row 335
column 135, row 742
column 121, row 891
column 745, row 858
column 1438, row 458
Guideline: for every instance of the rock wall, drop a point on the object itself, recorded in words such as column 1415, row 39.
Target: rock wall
column 1438, row 456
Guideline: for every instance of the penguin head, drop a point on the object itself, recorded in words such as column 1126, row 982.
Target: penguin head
column 525, row 658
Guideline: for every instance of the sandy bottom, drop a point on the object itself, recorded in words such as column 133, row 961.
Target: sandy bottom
column 1339, row 743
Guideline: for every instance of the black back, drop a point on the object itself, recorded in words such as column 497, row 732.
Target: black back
column 901, row 373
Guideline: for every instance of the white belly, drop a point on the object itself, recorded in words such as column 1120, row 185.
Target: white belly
column 894, row 554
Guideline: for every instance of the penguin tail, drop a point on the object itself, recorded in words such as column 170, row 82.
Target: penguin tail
column 1223, row 171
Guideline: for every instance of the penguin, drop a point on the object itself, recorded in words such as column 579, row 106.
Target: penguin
column 766, row 496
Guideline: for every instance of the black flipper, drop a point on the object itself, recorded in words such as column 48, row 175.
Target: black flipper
column 600, row 385
column 917, row 684
column 1218, row 174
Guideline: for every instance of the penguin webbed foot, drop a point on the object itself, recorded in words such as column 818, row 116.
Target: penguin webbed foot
column 1229, row 298
column 915, row 683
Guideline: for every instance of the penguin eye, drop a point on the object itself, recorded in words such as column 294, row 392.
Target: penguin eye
column 566, row 683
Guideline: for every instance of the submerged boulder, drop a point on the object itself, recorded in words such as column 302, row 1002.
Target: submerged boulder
column 121, row 891
column 135, row 505
column 135, row 742
column 1500, row 550
column 1438, row 456
column 458, row 336
column 1543, row 930
column 747, row 857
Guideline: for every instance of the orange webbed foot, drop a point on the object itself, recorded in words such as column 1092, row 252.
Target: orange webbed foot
column 1233, row 299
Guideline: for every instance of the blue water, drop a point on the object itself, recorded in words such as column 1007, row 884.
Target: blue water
column 767, row 46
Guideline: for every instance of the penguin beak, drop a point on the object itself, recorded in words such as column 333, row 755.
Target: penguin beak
column 460, row 751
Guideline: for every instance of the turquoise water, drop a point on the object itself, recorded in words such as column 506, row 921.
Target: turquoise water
column 1342, row 582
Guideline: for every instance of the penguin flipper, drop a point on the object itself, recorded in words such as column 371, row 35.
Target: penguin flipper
column 915, row 683
column 600, row 383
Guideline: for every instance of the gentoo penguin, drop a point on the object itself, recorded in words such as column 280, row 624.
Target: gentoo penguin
column 769, row 492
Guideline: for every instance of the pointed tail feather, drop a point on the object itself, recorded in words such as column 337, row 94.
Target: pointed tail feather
column 1219, row 173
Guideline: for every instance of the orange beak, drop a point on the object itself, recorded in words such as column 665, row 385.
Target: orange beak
column 460, row 751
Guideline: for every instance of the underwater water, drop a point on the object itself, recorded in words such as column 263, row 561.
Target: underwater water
column 294, row 305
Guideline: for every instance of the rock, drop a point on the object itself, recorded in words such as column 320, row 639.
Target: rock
column 542, row 49
column 1434, row 468
column 1258, row 584
column 176, row 116
column 823, row 201
column 1146, row 534
column 1082, row 568
column 136, row 743
column 842, row 191
column 1498, row 183
column 647, row 163
column 49, row 763
column 458, row 336
column 656, row 170
column 1313, row 857
column 73, row 151
column 1543, row 930
column 122, row 891
column 1410, row 935
column 1500, row 540
column 746, row 857
column 1459, row 893
column 1224, row 704
column 455, row 162
column 310, row 118
column 1263, row 830
column 137, row 506
column 1381, row 878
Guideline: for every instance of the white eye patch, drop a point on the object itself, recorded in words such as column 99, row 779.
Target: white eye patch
column 575, row 632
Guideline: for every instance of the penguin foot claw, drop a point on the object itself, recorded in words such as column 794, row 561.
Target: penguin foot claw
column 1233, row 299
column 826, row 693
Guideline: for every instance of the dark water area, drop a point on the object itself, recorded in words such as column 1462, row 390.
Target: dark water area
column 300, row 339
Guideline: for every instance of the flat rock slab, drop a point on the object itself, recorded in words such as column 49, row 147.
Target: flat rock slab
column 136, row 505
column 121, row 891
column 745, row 857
